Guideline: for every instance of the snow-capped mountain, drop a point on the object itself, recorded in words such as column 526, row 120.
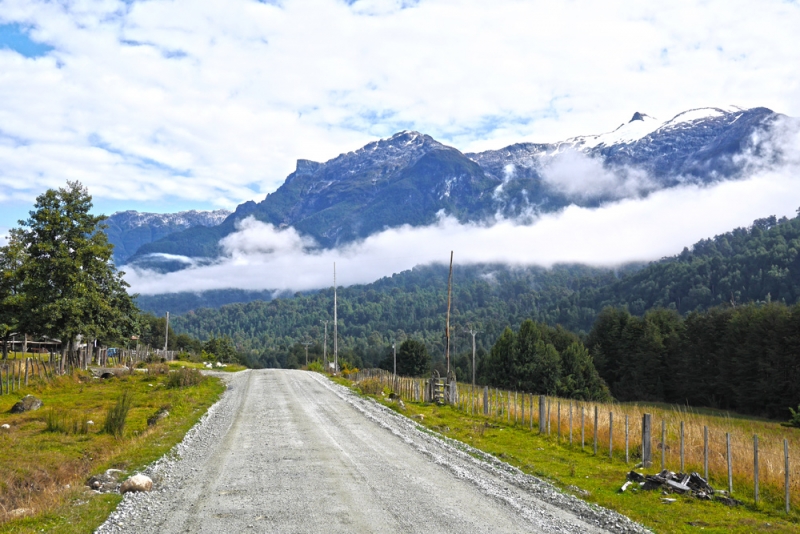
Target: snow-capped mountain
column 409, row 178
column 129, row 230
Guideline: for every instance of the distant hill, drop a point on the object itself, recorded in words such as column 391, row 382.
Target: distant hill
column 410, row 178
column 129, row 230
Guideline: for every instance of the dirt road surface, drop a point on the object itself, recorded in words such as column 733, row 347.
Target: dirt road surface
column 290, row 451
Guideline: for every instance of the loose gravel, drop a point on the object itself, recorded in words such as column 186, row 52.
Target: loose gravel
column 291, row 451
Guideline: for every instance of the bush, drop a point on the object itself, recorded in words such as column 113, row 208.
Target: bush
column 59, row 421
column 184, row 377
column 315, row 366
column 370, row 386
column 795, row 419
column 157, row 369
column 115, row 419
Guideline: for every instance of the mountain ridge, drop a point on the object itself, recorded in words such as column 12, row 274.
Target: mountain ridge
column 409, row 178
column 128, row 230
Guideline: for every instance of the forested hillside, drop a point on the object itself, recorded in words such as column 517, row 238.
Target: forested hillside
column 745, row 358
column 745, row 265
column 409, row 304
column 758, row 263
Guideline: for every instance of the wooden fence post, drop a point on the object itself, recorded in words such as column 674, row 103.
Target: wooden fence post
column 531, row 411
column 549, row 402
column 627, row 458
column 705, row 452
column 663, row 442
column 541, row 414
column 570, row 422
column 595, row 430
column 755, row 468
column 583, row 427
column 786, row 471
column 522, row 405
column 730, row 467
column 682, row 449
column 26, row 371
column 611, row 435
column 558, row 421
column 485, row 400
column 647, row 428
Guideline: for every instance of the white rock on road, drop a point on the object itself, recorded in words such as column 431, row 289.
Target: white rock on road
column 290, row 451
column 136, row 483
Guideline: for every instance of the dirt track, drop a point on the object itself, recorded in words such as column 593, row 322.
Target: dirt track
column 289, row 451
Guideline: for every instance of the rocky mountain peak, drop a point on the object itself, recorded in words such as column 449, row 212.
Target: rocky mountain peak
column 639, row 117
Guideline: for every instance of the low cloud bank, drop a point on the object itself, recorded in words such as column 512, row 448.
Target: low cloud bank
column 259, row 256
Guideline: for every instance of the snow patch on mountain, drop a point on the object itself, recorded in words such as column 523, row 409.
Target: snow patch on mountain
column 638, row 127
column 186, row 219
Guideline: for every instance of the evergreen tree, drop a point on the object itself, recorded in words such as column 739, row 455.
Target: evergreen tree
column 12, row 256
column 412, row 358
column 70, row 285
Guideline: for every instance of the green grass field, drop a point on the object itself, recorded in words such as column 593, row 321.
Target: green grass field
column 43, row 472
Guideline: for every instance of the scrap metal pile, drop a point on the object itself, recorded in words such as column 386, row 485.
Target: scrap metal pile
column 681, row 483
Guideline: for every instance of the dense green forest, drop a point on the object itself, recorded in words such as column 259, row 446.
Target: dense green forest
column 743, row 358
column 543, row 359
column 411, row 304
column 745, row 265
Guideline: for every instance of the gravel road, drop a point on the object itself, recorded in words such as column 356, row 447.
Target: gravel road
column 290, row 451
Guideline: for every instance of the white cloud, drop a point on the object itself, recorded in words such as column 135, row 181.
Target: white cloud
column 3, row 236
column 213, row 101
column 580, row 176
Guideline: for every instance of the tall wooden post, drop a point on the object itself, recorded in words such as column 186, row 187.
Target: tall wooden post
column 647, row 442
column 447, row 325
column 542, row 414
column 755, row 469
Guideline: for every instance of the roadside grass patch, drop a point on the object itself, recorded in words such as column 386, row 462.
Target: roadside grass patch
column 45, row 471
column 184, row 378
column 181, row 364
column 597, row 479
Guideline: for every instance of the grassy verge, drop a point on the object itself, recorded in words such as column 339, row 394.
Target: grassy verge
column 44, row 471
column 597, row 479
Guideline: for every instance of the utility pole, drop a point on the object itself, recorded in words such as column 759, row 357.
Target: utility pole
column 166, row 336
column 474, row 333
column 335, row 325
column 325, row 347
column 306, row 344
column 447, row 326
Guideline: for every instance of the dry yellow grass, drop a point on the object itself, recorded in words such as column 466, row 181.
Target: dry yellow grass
column 770, row 434
column 508, row 406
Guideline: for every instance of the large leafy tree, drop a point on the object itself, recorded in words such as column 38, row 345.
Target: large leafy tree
column 70, row 285
column 12, row 256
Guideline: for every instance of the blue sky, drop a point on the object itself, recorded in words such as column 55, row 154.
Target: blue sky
column 15, row 37
column 170, row 105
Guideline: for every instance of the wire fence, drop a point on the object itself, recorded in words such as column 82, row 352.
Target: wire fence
column 745, row 456
column 19, row 370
